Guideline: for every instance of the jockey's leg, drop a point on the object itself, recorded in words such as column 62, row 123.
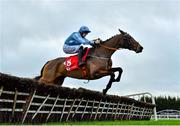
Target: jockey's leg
column 80, row 55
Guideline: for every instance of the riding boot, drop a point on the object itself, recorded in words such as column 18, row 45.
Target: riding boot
column 80, row 55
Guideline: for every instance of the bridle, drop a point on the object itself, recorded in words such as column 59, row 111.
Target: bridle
column 126, row 38
column 109, row 48
column 114, row 49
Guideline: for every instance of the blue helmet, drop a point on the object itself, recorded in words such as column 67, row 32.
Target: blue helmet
column 84, row 29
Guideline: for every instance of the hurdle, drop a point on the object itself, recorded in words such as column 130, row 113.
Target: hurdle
column 24, row 100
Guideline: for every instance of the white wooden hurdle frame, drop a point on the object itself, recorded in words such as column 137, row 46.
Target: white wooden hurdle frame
column 93, row 108
column 138, row 97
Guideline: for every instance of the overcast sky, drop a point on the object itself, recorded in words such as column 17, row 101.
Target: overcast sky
column 33, row 32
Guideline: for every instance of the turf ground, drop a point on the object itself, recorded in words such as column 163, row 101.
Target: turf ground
column 151, row 122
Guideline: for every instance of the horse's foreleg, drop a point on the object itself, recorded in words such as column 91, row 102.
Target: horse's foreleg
column 108, row 86
column 110, row 72
column 118, row 69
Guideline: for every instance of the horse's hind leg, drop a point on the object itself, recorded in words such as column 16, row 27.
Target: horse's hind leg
column 56, row 80
column 59, row 80
column 42, row 80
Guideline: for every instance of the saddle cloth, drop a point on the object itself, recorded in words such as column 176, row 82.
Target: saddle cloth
column 71, row 62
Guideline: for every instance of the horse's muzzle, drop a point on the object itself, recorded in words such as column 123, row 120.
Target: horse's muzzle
column 139, row 49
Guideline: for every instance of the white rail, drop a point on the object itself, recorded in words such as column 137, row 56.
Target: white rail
column 27, row 101
column 64, row 109
column 138, row 96
column 168, row 114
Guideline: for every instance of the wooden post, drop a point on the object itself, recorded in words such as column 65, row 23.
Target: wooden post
column 77, row 108
column 97, row 110
column 70, row 109
column 125, row 105
column 1, row 90
column 92, row 110
column 112, row 113
column 107, row 110
column 52, row 108
column 27, row 105
column 14, row 104
column 142, row 113
column 116, row 110
column 127, row 114
column 84, row 109
column 131, row 111
column 119, row 113
column 102, row 109
column 62, row 113
column 144, row 98
column 40, row 106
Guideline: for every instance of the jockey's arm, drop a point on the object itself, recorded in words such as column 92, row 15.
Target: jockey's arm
column 84, row 41
column 90, row 42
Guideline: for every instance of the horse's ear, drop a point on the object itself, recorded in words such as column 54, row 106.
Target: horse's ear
column 122, row 32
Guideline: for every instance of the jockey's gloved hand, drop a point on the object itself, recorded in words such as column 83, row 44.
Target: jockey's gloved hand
column 97, row 41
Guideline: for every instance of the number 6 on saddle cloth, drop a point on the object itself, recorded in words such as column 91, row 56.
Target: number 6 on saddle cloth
column 71, row 62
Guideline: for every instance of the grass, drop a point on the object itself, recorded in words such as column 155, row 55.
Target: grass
column 151, row 122
column 109, row 123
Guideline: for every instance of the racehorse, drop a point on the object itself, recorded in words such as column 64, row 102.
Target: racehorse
column 98, row 63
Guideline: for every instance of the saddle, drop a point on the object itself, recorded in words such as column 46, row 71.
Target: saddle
column 71, row 62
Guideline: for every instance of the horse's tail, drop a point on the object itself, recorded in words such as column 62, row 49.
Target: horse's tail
column 38, row 77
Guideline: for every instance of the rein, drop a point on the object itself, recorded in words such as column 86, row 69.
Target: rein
column 97, row 57
column 110, row 48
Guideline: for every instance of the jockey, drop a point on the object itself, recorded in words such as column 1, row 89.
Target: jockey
column 73, row 44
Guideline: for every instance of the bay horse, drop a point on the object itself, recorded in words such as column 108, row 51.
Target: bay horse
column 98, row 63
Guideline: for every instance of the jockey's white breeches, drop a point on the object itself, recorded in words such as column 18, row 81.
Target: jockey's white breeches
column 71, row 49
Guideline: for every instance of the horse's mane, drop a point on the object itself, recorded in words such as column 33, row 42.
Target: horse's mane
column 110, row 38
column 96, row 46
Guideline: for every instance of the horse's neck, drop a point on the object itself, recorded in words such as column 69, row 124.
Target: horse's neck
column 101, row 51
